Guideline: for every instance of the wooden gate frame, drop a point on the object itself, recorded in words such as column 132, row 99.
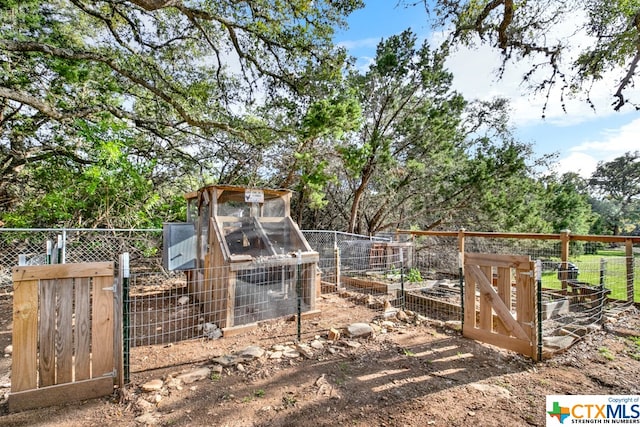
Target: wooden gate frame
column 63, row 334
column 495, row 320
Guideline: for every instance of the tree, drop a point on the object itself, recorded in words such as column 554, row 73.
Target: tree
column 617, row 185
column 410, row 113
column 423, row 157
column 185, row 81
column 527, row 29
column 567, row 203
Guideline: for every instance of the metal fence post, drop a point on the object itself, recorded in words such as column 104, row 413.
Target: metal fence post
column 126, row 310
column 461, row 273
column 539, row 307
column 299, row 293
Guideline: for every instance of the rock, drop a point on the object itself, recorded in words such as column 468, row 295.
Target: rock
column 251, row 352
column 291, row 353
column 193, row 376
column 402, row 316
column 276, row 355
column 359, row 330
column 352, row 344
column 216, row 369
column 8, row 349
column 183, row 300
column 153, row 385
column 225, row 361
column 240, row 367
column 388, row 325
column 148, row 419
column 278, row 347
column 145, row 405
column 558, row 342
column 456, row 325
column 492, row 390
column 305, row 351
column 174, row 383
column 316, row 344
column 333, row 335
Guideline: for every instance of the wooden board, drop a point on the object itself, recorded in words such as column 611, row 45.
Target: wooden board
column 47, row 333
column 25, row 336
column 508, row 261
column 60, row 394
column 82, row 330
column 62, row 271
column 102, row 327
column 64, row 331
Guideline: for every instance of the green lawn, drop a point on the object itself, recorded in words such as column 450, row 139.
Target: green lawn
column 615, row 277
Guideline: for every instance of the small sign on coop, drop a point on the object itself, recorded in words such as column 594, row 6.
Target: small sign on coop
column 253, row 196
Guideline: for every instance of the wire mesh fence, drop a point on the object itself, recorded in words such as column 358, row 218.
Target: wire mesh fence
column 200, row 303
column 45, row 246
column 421, row 275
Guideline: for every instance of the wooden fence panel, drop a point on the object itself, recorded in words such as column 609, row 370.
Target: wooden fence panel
column 63, row 334
column 497, row 323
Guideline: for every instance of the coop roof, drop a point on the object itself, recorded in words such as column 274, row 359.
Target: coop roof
column 236, row 192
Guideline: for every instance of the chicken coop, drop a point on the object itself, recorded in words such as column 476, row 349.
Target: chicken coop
column 245, row 259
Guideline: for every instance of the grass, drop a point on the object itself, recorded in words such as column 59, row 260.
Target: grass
column 606, row 353
column 634, row 343
column 615, row 277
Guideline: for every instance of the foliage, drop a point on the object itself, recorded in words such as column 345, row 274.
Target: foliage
column 616, row 187
column 602, row 38
column 414, row 275
column 567, row 204
column 189, row 85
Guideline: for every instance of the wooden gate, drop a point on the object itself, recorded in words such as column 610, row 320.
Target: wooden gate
column 500, row 301
column 63, row 334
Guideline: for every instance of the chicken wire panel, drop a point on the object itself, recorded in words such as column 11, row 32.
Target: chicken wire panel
column 143, row 246
column 184, row 305
column 76, row 246
column 31, row 245
column 161, row 310
column 437, row 257
column 352, row 250
column 263, row 293
column 535, row 248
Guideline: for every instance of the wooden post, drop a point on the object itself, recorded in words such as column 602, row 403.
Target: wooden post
column 461, row 273
column 336, row 254
column 461, row 246
column 564, row 257
column 629, row 255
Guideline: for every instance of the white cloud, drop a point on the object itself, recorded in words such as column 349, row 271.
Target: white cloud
column 581, row 163
column 583, row 158
column 475, row 72
column 367, row 43
column 614, row 142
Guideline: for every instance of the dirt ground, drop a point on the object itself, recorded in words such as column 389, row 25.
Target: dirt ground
column 409, row 372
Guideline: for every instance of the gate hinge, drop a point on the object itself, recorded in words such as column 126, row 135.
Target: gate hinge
column 113, row 288
column 110, row 374
column 528, row 273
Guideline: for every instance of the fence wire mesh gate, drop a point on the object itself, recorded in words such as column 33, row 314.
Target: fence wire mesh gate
column 422, row 275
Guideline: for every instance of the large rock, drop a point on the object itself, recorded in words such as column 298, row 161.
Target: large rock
column 251, row 352
column 193, row 376
column 153, row 385
column 359, row 330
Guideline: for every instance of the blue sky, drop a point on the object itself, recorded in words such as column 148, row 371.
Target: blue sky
column 580, row 137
